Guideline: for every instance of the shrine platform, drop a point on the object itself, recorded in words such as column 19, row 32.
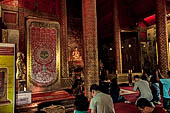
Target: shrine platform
column 42, row 100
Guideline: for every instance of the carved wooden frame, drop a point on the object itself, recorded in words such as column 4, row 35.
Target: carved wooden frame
column 10, row 12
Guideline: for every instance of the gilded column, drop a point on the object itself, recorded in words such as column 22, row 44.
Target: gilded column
column 90, row 43
column 117, row 38
column 162, row 36
column 63, row 39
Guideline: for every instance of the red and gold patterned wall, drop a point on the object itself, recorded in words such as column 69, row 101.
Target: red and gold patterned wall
column 21, row 11
column 15, row 12
column 47, row 6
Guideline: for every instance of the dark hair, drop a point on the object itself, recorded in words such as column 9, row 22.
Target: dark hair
column 143, row 102
column 114, row 82
column 94, row 87
column 81, row 103
column 136, row 76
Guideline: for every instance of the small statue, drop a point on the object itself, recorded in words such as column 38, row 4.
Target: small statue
column 76, row 55
column 21, row 68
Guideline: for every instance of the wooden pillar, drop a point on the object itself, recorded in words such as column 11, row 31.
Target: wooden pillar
column 22, row 47
column 117, row 38
column 66, row 81
column 162, row 36
column 63, row 39
column 90, row 43
column 0, row 24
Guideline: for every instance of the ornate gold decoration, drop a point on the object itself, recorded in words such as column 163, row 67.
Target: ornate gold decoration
column 4, row 36
column 54, row 109
column 162, row 36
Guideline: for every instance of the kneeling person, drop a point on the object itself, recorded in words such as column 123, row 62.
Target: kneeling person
column 146, row 106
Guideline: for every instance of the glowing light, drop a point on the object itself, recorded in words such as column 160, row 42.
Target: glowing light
column 151, row 19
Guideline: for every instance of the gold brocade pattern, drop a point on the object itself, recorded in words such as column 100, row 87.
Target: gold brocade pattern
column 4, row 36
column 162, row 37
column 43, row 55
column 64, row 51
column 90, row 44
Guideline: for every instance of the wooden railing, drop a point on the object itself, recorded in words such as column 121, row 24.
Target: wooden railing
column 125, row 77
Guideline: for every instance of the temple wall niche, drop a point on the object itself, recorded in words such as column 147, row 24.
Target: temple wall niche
column 74, row 35
column 75, row 40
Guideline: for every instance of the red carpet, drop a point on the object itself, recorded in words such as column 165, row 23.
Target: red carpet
column 51, row 96
column 127, row 108
column 131, row 108
column 131, row 97
column 119, row 107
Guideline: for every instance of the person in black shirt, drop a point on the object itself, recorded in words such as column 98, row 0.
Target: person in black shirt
column 78, row 86
column 145, row 77
column 115, row 92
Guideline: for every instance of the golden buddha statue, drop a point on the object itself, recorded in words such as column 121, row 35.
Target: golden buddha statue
column 21, row 68
column 76, row 55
